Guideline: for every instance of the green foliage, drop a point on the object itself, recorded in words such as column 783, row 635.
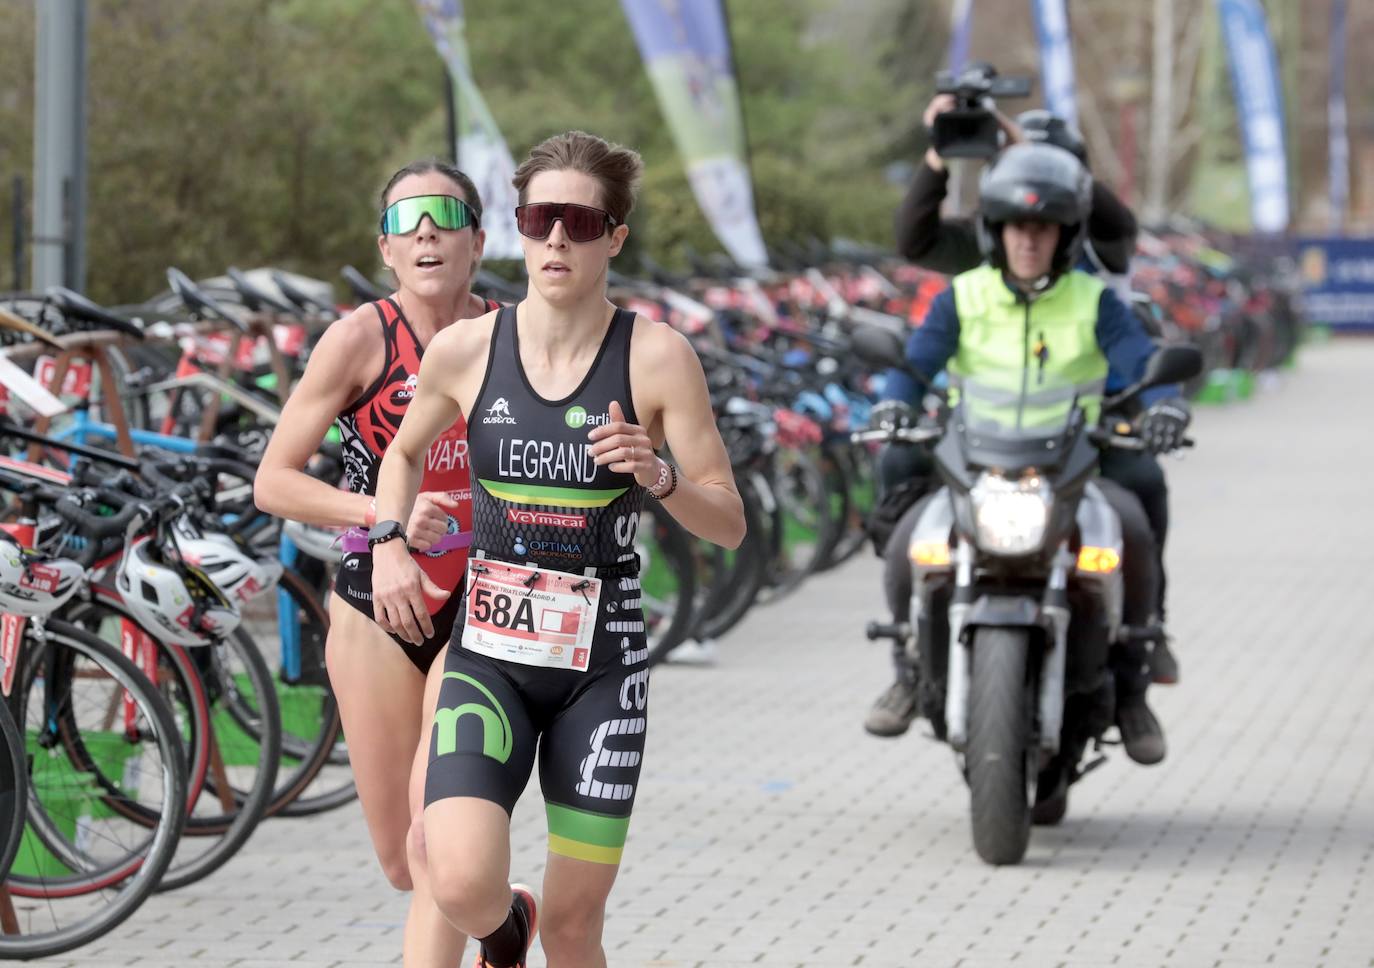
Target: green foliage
column 260, row 131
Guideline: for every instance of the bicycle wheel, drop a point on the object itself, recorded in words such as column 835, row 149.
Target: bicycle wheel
column 245, row 749
column 291, row 627
column 740, row 575
column 214, row 694
column 88, row 715
column 850, row 473
column 14, row 788
column 667, row 579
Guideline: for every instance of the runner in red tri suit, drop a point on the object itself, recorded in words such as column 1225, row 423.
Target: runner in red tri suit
column 363, row 373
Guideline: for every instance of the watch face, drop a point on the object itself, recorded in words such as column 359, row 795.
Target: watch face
column 384, row 531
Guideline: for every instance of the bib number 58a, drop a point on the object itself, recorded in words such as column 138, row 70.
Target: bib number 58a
column 500, row 610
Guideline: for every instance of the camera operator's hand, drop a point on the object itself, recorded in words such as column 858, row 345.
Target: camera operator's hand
column 941, row 103
column 1009, row 127
column 938, row 105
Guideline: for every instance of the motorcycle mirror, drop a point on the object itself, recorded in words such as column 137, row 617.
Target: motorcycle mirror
column 1169, row 364
column 1172, row 364
column 877, row 346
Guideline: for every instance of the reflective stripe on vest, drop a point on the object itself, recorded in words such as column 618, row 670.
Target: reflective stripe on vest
column 999, row 334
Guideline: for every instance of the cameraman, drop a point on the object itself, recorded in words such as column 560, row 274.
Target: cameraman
column 951, row 246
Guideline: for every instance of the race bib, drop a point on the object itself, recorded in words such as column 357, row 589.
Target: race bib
column 530, row 616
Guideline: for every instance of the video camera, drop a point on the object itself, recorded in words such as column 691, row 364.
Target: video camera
column 969, row 130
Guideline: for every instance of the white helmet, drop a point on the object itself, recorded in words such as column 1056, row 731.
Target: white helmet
column 179, row 606
column 319, row 543
column 32, row 583
column 239, row 575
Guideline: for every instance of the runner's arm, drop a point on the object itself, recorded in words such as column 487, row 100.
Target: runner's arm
column 329, row 384
column 706, row 501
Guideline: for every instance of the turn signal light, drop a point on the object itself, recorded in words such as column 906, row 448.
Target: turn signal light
column 1102, row 561
column 930, row 554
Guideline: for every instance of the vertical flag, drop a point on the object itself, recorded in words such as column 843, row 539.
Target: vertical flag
column 1338, row 150
column 1056, row 58
column 1259, row 103
column 686, row 50
column 482, row 152
column 960, row 26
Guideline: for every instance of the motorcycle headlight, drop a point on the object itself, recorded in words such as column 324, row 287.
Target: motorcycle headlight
column 1010, row 516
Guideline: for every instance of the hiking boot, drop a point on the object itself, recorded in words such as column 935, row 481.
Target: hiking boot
column 1141, row 733
column 1163, row 665
column 892, row 714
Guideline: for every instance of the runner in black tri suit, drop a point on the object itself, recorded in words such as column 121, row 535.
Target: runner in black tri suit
column 566, row 399
column 363, row 373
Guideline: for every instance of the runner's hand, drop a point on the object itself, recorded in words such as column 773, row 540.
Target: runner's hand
column 429, row 519
column 626, row 447
column 399, row 588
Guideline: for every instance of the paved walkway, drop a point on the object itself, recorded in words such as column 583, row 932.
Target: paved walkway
column 771, row 830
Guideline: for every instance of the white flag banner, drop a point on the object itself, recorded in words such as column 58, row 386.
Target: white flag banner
column 482, row 151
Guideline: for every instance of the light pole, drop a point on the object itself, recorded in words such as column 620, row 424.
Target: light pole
column 59, row 149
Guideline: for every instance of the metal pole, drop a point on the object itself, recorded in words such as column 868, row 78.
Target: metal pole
column 59, row 155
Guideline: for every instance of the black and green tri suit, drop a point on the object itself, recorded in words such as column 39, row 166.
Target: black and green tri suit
column 539, row 500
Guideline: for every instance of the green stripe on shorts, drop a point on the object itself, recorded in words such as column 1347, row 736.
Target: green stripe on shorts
column 583, row 827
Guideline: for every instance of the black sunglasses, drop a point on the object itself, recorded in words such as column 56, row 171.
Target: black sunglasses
column 582, row 223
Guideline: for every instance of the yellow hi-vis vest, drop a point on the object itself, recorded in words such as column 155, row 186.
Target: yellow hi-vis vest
column 1052, row 337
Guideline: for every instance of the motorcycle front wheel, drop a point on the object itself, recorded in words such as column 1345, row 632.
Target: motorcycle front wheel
column 1001, row 779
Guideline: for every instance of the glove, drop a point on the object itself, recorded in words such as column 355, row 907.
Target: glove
column 891, row 415
column 1162, row 426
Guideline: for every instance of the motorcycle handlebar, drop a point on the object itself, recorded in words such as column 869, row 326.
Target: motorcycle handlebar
column 1125, row 441
column 908, row 435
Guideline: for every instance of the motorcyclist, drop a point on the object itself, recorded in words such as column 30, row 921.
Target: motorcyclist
column 1029, row 304
column 951, row 245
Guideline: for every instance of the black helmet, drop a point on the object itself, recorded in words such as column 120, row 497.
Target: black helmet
column 1035, row 183
column 1041, row 126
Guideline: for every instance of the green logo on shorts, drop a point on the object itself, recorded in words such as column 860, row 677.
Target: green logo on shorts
column 497, row 740
column 575, row 417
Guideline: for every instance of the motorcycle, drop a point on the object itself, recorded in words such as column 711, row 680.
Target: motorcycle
column 1017, row 586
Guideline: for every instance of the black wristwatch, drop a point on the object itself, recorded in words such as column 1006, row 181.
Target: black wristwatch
column 384, row 531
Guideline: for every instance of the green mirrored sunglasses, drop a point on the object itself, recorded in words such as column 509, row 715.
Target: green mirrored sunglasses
column 447, row 212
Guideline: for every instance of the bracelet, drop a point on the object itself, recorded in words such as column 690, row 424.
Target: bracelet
column 667, row 475
column 370, row 518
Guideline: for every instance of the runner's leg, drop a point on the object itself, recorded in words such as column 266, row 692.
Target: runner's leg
column 480, row 753
column 379, row 692
column 574, row 911
column 430, row 940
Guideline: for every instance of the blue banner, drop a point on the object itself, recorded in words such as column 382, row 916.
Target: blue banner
column 960, row 27
column 1259, row 104
column 1056, row 58
column 686, row 49
column 1338, row 141
column 1338, row 281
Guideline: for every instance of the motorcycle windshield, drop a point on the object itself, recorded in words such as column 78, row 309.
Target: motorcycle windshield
column 1016, row 418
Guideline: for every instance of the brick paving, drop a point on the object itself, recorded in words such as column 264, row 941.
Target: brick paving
column 771, row 830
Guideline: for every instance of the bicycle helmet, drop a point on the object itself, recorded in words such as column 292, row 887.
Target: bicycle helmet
column 179, row 606
column 322, row 544
column 32, row 583
column 1046, row 127
column 1035, row 183
column 240, row 576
